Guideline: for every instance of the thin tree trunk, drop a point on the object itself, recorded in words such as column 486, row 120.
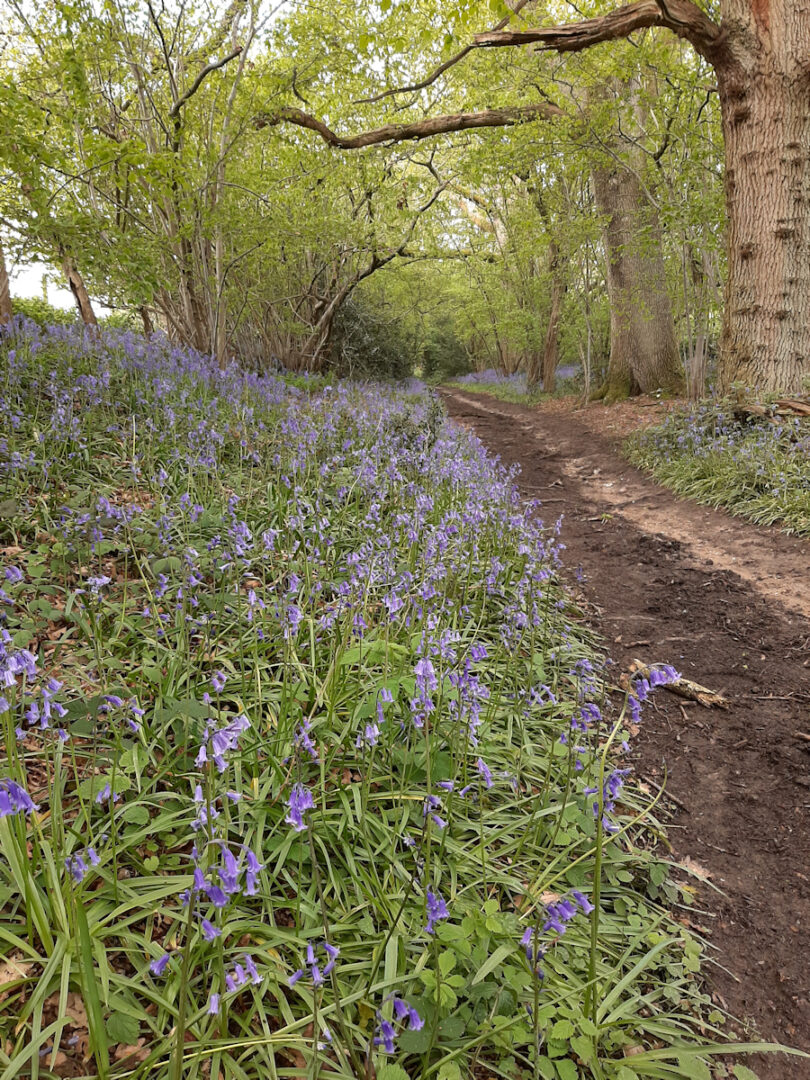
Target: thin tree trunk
column 766, row 125
column 643, row 346
column 146, row 319
column 80, row 293
column 6, row 311
column 551, row 350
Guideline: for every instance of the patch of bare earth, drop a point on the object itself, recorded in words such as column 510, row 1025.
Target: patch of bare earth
column 728, row 604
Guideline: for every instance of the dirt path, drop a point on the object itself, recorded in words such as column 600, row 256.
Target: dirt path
column 728, row 603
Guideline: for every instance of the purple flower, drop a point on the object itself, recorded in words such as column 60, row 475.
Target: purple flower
column 157, row 967
column 210, row 932
column 218, row 680
column 252, row 868
column 299, row 802
column 14, row 799
column 385, row 1036
column 315, row 973
column 213, row 1005
column 303, row 738
column 583, row 901
column 436, row 911
column 483, row 769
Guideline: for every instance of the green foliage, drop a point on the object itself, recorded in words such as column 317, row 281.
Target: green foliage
column 367, row 344
column 717, row 454
column 42, row 312
column 443, row 354
column 197, row 509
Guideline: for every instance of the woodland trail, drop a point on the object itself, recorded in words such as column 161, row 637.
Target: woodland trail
column 727, row 603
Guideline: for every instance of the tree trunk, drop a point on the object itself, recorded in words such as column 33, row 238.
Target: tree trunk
column 6, row 312
column 551, row 350
column 764, row 83
column 80, row 293
column 146, row 319
column 643, row 346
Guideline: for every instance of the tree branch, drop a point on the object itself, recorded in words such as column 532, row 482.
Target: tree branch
column 440, row 70
column 204, row 73
column 420, row 129
column 683, row 17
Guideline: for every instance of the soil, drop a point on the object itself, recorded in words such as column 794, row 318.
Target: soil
column 727, row 603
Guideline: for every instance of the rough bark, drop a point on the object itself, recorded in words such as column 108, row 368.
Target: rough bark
column 765, row 102
column 760, row 55
column 420, row 129
column 643, row 346
column 80, row 293
column 681, row 16
column 6, row 311
column 146, row 319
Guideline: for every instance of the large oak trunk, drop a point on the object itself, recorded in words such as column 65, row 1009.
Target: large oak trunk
column 764, row 83
column 643, row 347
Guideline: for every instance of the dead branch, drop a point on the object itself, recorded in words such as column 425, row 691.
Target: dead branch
column 685, row 688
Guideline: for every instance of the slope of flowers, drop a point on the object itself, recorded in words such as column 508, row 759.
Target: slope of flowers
column 305, row 764
column 514, row 387
column 753, row 467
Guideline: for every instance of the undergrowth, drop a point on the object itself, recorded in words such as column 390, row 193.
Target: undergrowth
column 514, row 388
column 752, row 466
column 308, row 766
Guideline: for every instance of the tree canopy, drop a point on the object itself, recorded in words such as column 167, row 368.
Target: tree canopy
column 237, row 174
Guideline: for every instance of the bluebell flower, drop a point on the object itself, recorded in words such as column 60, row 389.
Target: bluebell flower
column 158, row 967
column 15, row 799
column 299, row 802
column 210, row 932
column 483, row 769
column 436, row 911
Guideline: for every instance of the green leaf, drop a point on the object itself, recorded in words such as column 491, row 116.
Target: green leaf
column 390, row 1071
column 563, row 1029
column 122, row 1028
column 567, row 1070
column 92, row 1002
column 414, row 1042
column 694, row 1068
column 545, row 1066
column 582, row 1047
column 136, row 815
column 451, row 1028
column 447, row 961
column 492, row 962
column 742, row 1072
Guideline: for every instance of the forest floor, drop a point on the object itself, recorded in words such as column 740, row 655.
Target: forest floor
column 727, row 603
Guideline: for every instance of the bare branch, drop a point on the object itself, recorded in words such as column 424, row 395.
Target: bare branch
column 420, row 129
column 440, row 70
column 683, row 17
column 204, row 73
